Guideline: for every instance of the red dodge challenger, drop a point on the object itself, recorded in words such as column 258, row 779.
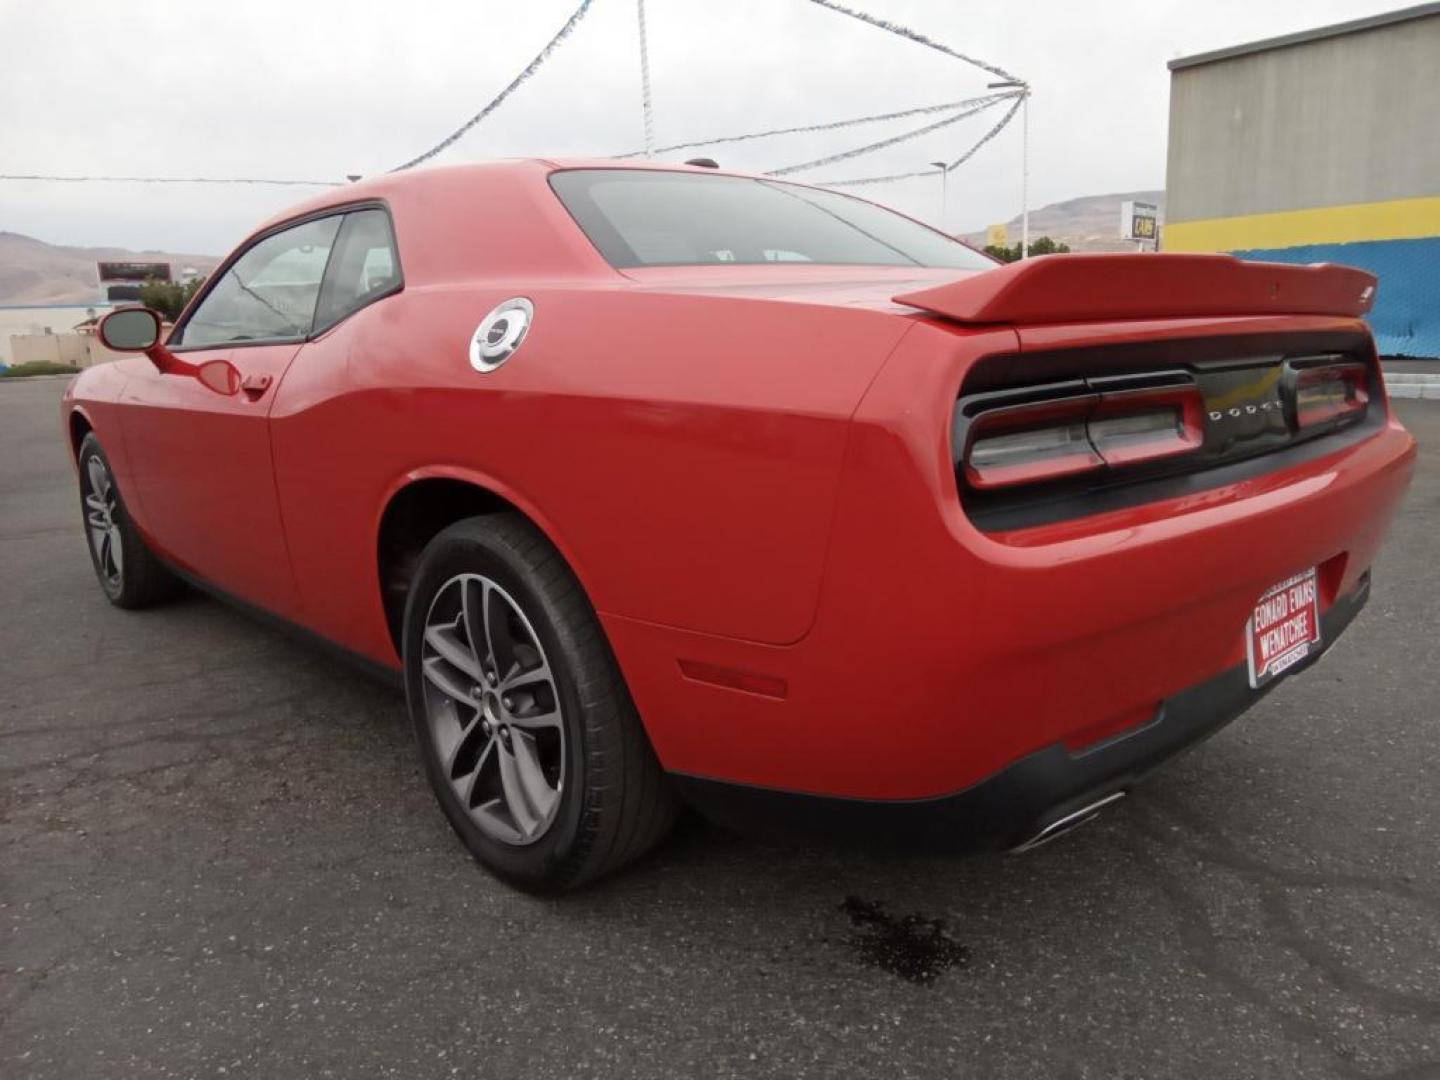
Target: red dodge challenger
column 663, row 485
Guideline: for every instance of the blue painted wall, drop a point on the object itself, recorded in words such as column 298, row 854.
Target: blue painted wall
column 1406, row 316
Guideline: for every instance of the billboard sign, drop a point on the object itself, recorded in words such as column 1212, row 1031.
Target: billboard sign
column 137, row 272
column 997, row 236
column 1139, row 221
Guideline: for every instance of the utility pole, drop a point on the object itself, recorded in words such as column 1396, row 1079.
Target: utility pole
column 645, row 82
column 1025, row 174
column 944, row 186
column 1024, row 88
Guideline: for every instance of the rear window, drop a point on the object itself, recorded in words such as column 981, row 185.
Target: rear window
column 644, row 218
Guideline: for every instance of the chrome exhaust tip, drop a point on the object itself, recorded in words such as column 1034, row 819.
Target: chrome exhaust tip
column 1062, row 825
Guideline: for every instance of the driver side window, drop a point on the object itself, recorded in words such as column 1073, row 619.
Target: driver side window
column 270, row 292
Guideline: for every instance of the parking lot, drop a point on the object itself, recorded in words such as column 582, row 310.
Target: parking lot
column 220, row 858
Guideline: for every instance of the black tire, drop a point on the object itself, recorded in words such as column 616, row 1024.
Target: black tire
column 613, row 802
column 140, row 580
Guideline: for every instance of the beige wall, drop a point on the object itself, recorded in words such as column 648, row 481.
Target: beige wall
column 50, row 349
column 77, row 350
column 24, row 321
column 1333, row 122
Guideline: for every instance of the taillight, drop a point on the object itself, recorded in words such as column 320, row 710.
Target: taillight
column 1020, row 444
column 1080, row 433
column 1335, row 392
column 1131, row 426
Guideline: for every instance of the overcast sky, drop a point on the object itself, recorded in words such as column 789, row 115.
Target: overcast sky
column 316, row 89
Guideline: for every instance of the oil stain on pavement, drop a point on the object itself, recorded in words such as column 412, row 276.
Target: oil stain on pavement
column 913, row 947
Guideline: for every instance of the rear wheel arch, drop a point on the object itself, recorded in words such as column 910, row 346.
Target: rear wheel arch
column 422, row 505
column 525, row 723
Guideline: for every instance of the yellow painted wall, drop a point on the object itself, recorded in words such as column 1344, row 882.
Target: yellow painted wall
column 1396, row 219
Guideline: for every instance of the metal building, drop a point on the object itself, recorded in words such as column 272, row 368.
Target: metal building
column 1319, row 146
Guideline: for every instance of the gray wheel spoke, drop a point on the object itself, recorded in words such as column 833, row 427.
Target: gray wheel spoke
column 472, row 616
column 110, row 556
column 550, row 718
column 498, row 643
column 517, row 676
column 494, row 819
column 447, row 643
column 449, row 738
column 516, row 800
column 539, row 795
column 99, row 479
column 472, row 624
column 437, row 672
column 101, row 498
column 485, row 755
column 117, row 549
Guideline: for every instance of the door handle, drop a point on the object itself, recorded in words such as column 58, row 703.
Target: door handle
column 255, row 385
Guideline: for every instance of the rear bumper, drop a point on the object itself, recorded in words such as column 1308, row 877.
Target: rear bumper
column 940, row 657
column 1021, row 800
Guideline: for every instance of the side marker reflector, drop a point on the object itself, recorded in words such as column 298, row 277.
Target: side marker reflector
column 734, row 679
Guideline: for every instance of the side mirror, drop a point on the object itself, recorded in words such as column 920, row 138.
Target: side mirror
column 137, row 329
column 133, row 329
column 219, row 375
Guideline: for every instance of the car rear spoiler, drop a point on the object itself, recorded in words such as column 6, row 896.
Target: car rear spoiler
column 1092, row 287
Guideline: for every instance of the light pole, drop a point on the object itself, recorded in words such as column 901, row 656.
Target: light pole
column 1024, row 88
column 944, row 185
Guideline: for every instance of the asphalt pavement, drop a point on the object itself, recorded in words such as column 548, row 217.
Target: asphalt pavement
column 218, row 857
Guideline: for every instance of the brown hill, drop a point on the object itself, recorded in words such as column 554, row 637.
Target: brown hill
column 1089, row 223
column 34, row 272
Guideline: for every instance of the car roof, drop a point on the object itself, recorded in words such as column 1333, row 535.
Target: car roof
column 461, row 221
column 442, row 177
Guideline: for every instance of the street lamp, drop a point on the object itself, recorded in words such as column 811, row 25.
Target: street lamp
column 1024, row 88
column 944, row 184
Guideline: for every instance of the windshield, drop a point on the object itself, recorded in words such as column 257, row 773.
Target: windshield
column 649, row 218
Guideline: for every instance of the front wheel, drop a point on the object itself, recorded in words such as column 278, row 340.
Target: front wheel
column 129, row 573
column 527, row 732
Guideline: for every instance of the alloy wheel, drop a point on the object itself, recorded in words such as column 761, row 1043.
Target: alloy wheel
column 493, row 709
column 101, row 520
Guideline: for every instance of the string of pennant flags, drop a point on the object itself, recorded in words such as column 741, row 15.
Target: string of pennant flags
column 499, row 99
column 868, row 148
column 921, row 110
column 1010, row 89
column 952, row 166
column 962, row 109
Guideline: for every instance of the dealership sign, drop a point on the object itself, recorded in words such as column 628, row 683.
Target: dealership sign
column 1139, row 220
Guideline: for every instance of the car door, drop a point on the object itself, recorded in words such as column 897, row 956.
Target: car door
column 323, row 431
column 202, row 462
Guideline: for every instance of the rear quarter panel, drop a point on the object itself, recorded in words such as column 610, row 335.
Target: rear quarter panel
column 682, row 452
